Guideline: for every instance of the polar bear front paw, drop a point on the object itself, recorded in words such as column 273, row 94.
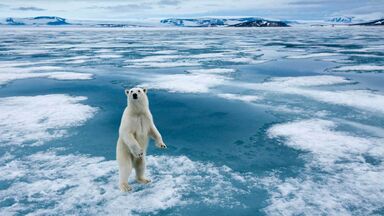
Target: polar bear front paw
column 124, row 187
column 139, row 154
column 161, row 145
column 143, row 180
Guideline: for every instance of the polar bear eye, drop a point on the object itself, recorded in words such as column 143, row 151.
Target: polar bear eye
column 131, row 91
column 138, row 91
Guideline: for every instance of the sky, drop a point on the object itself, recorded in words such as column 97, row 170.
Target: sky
column 139, row 9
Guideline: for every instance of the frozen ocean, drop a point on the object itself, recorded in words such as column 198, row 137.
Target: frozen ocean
column 258, row 121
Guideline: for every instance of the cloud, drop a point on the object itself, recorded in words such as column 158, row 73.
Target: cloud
column 169, row 2
column 303, row 2
column 29, row 9
column 123, row 8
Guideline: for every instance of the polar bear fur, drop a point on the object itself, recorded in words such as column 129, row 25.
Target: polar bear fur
column 135, row 128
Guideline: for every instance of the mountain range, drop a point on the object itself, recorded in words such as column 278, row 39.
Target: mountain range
column 231, row 22
column 378, row 22
column 39, row 20
column 180, row 22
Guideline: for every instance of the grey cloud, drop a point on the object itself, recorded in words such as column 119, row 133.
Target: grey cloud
column 169, row 2
column 29, row 9
column 303, row 2
column 123, row 8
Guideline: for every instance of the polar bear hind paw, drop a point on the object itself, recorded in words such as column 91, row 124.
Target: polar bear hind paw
column 143, row 180
column 124, row 187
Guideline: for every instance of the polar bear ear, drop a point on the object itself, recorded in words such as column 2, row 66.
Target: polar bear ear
column 145, row 90
column 126, row 91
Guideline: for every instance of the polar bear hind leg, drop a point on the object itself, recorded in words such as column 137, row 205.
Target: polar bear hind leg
column 139, row 165
column 124, row 159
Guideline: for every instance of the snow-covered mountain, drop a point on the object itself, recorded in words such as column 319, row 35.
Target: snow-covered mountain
column 213, row 22
column 40, row 20
column 341, row 19
column 261, row 23
column 180, row 22
column 58, row 21
column 379, row 22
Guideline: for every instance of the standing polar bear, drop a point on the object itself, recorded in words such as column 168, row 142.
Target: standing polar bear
column 135, row 127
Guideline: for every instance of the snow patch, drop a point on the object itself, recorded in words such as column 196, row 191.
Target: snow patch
column 360, row 68
column 74, row 184
column 185, row 83
column 68, row 75
column 8, row 77
column 312, row 55
column 361, row 99
column 195, row 81
column 107, row 56
column 348, row 183
column 164, row 64
column 10, row 72
column 302, row 81
column 240, row 97
column 212, row 71
column 245, row 60
column 37, row 119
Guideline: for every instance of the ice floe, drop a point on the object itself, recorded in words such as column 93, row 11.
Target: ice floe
column 154, row 58
column 301, row 81
column 361, row 99
column 364, row 68
column 213, row 70
column 240, row 97
column 107, row 56
column 338, row 178
column 36, row 119
column 186, row 83
column 164, row 64
column 74, row 184
column 194, row 81
column 55, row 182
column 8, row 77
column 185, row 59
column 245, row 60
column 166, row 52
column 312, row 55
column 10, row 72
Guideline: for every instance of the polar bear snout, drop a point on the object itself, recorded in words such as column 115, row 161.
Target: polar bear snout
column 134, row 96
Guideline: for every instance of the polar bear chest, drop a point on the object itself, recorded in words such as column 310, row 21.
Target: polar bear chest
column 140, row 128
column 140, row 125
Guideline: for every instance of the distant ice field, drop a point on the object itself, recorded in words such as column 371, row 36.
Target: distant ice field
column 272, row 121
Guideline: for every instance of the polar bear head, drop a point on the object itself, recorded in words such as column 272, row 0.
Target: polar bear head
column 137, row 97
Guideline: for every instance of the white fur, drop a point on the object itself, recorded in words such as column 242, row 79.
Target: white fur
column 135, row 127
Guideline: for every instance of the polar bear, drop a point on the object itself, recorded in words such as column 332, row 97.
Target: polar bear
column 135, row 127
